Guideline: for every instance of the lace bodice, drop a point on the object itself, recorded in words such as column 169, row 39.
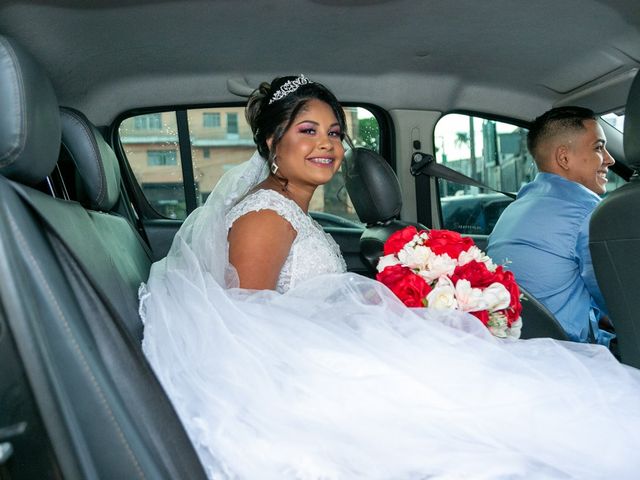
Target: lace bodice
column 313, row 251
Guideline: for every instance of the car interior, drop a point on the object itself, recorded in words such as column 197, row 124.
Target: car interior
column 86, row 207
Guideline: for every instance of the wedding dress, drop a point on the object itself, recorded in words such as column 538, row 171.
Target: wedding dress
column 332, row 377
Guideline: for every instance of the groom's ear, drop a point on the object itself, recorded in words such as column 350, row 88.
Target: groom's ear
column 562, row 156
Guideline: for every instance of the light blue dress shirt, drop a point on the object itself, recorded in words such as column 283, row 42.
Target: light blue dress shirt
column 543, row 238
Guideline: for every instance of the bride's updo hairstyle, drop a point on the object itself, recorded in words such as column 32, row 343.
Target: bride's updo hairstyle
column 273, row 107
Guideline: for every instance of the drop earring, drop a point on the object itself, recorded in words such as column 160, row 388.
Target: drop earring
column 274, row 167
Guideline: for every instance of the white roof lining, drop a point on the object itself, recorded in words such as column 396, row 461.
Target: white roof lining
column 506, row 57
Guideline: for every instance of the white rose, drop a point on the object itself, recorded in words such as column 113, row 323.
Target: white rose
column 474, row 253
column 416, row 240
column 496, row 297
column 387, row 261
column 443, row 295
column 415, row 257
column 438, row 266
column 469, row 299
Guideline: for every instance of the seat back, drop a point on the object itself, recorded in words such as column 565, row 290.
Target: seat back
column 98, row 190
column 68, row 303
column 377, row 199
column 614, row 240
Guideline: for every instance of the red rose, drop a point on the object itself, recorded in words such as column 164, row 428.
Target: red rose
column 476, row 273
column 399, row 239
column 482, row 315
column 412, row 289
column 446, row 241
column 507, row 279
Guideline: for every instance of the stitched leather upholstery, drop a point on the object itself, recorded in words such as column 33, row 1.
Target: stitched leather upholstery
column 614, row 241
column 68, row 300
column 29, row 123
column 373, row 186
column 94, row 159
column 377, row 199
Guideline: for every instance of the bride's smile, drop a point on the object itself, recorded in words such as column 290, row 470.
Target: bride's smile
column 323, row 162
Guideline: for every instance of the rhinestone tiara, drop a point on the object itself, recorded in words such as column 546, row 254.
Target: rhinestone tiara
column 288, row 87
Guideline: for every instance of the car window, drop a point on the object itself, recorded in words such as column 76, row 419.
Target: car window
column 490, row 151
column 615, row 119
column 218, row 139
column 495, row 153
column 151, row 145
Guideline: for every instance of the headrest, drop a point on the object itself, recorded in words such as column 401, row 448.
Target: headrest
column 95, row 161
column 372, row 185
column 632, row 125
column 29, row 120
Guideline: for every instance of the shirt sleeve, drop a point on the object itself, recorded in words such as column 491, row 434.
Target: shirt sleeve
column 586, row 267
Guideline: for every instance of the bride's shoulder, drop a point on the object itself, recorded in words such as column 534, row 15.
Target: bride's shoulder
column 262, row 196
column 265, row 200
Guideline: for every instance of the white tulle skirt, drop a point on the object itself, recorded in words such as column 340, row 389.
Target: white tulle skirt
column 336, row 379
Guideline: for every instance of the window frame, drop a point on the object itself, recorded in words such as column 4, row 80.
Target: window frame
column 427, row 192
column 430, row 190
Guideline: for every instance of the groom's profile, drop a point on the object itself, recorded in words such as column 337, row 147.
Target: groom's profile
column 543, row 236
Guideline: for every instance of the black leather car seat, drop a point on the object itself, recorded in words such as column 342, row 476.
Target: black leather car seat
column 69, row 276
column 377, row 199
column 614, row 241
column 98, row 190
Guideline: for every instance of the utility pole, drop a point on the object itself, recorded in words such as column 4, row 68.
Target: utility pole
column 472, row 149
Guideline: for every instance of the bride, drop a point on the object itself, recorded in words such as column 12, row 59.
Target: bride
column 282, row 366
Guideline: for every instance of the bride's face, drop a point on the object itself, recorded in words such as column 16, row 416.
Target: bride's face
column 311, row 151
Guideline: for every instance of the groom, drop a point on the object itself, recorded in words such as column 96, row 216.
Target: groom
column 543, row 236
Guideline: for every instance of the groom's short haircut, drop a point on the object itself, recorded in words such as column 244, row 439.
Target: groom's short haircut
column 556, row 121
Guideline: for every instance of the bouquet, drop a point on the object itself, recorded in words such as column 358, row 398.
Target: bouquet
column 443, row 270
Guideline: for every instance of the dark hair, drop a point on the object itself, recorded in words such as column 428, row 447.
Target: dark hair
column 555, row 121
column 272, row 120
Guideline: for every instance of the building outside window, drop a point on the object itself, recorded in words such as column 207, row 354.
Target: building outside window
column 232, row 123
column 152, row 121
column 211, row 119
column 161, row 157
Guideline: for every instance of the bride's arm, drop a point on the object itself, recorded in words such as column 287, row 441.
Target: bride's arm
column 259, row 243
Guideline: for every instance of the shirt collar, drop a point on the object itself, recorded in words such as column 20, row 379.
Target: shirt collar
column 552, row 178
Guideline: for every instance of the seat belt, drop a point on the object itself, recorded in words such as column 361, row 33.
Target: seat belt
column 425, row 164
column 423, row 167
